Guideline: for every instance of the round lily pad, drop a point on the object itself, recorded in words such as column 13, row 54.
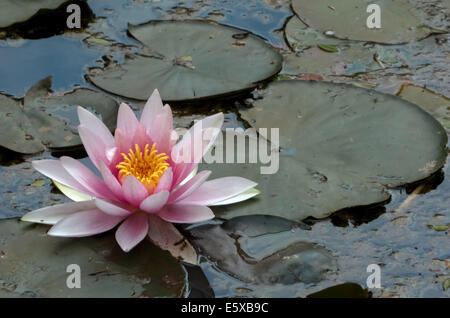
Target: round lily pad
column 190, row 60
column 264, row 250
column 400, row 21
column 36, row 265
column 341, row 146
column 44, row 120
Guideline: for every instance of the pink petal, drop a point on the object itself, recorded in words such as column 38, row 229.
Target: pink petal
column 113, row 208
column 123, row 141
column 53, row 214
column 154, row 202
column 195, row 144
column 84, row 223
column 189, row 187
column 94, row 145
column 217, row 190
column 238, row 198
column 86, row 177
column 111, row 181
column 54, row 170
column 177, row 213
column 132, row 231
column 95, row 125
column 152, row 108
column 126, row 120
column 141, row 138
column 160, row 130
column 165, row 183
column 133, row 190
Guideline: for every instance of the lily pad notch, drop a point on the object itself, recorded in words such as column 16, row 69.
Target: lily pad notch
column 189, row 61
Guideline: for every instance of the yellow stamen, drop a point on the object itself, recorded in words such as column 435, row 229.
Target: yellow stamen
column 147, row 167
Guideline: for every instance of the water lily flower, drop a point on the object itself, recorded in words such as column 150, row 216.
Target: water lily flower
column 144, row 186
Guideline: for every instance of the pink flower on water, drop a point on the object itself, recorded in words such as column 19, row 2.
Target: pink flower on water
column 144, row 186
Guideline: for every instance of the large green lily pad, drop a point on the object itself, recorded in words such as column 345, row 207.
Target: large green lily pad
column 189, row 60
column 264, row 250
column 400, row 22
column 33, row 264
column 44, row 120
column 341, row 146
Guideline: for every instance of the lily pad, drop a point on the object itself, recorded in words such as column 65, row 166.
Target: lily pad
column 34, row 265
column 341, row 146
column 189, row 60
column 400, row 22
column 44, row 120
column 240, row 248
column 437, row 105
column 349, row 58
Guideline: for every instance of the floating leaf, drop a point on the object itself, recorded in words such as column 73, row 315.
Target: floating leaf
column 94, row 40
column 341, row 147
column 400, row 21
column 263, row 250
column 42, row 119
column 440, row 228
column 328, row 48
column 446, row 284
column 38, row 183
column 34, row 265
column 189, row 60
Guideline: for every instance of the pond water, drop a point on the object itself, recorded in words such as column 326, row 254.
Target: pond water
column 406, row 236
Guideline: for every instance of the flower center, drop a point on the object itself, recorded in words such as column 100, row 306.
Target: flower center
column 148, row 166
